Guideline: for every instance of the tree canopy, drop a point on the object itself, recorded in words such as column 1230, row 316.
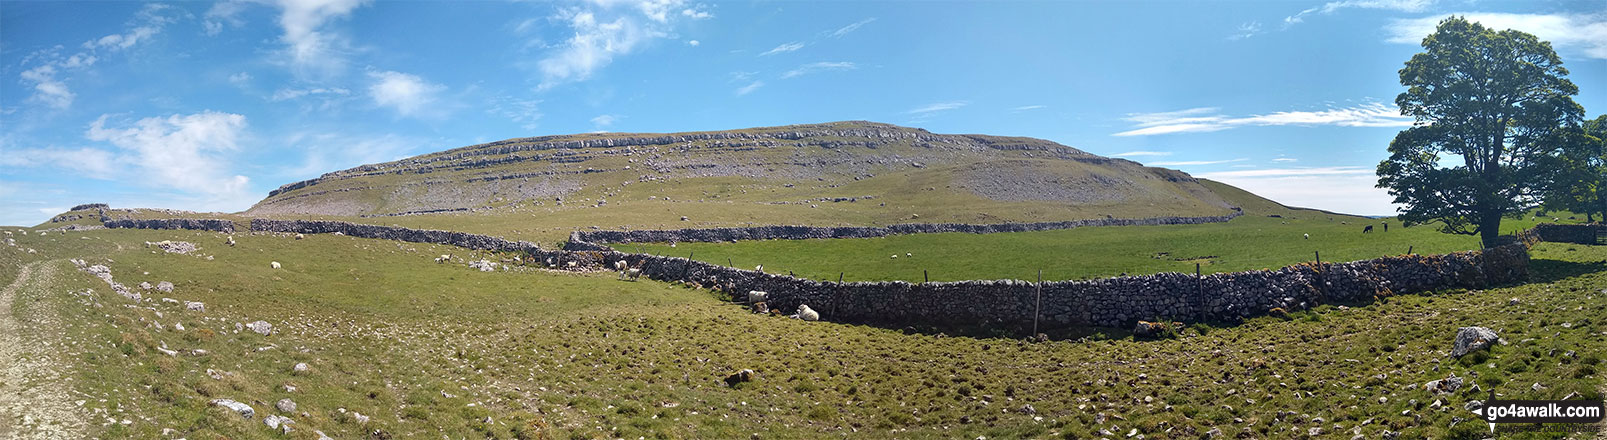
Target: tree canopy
column 1490, row 108
column 1580, row 180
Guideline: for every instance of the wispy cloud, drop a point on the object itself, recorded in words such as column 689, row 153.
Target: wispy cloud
column 749, row 88
column 408, row 94
column 845, row 30
column 609, row 29
column 824, row 66
column 1143, row 153
column 1029, row 107
column 1288, row 172
column 525, row 112
column 1207, row 119
column 1586, row 33
column 603, row 121
column 1285, row 159
column 783, row 48
column 938, row 107
column 1246, row 30
column 45, row 75
column 1195, row 162
column 1331, row 7
column 290, row 93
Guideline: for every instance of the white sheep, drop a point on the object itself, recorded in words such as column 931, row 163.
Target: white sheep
column 634, row 274
column 808, row 314
column 572, row 265
column 759, row 268
column 274, row 264
column 895, row 256
column 909, row 254
column 230, row 241
column 1308, row 236
column 443, row 259
column 620, row 266
column 757, row 296
column 299, row 236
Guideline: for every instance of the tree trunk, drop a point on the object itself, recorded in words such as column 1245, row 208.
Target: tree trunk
column 1490, row 229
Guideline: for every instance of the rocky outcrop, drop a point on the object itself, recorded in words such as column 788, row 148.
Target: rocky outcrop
column 1471, row 339
column 581, row 239
column 173, row 223
column 90, row 206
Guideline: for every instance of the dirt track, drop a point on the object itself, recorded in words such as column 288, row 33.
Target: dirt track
column 33, row 388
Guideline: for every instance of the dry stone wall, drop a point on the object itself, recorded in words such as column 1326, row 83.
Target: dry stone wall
column 817, row 232
column 214, row 225
column 1581, row 234
column 1112, row 302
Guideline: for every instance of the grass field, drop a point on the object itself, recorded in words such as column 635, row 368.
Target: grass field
column 430, row 350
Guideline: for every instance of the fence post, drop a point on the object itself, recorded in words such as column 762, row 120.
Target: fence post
column 1037, row 307
column 928, row 278
column 1409, row 250
column 728, row 262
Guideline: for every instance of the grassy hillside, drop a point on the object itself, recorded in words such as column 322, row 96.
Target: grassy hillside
column 428, row 350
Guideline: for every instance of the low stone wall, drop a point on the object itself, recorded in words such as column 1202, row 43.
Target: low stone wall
column 460, row 239
column 1580, row 234
column 818, row 232
column 172, row 223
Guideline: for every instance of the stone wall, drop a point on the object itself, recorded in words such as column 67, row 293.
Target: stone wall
column 1581, row 234
column 1111, row 302
column 89, row 206
column 172, row 223
column 817, row 232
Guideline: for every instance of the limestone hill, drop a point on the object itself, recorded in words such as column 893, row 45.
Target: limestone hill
column 842, row 172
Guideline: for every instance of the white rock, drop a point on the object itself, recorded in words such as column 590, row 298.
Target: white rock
column 261, row 327
column 241, row 408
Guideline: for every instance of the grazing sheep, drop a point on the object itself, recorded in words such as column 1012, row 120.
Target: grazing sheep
column 1308, row 236
column 895, row 256
column 299, row 236
column 745, row 375
column 230, row 241
column 620, row 266
column 274, row 264
column 909, row 254
column 808, row 314
column 757, row 296
column 1367, row 229
column 443, row 259
column 572, row 265
column 759, row 268
column 634, row 274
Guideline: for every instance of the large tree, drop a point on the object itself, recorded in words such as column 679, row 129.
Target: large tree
column 1489, row 106
column 1580, row 182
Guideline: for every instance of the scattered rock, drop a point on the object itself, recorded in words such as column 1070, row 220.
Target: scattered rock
column 1470, row 339
column 165, row 287
column 1444, row 386
column 280, row 423
column 286, row 406
column 195, row 306
column 261, row 327
column 301, row 367
column 273, row 264
column 241, row 408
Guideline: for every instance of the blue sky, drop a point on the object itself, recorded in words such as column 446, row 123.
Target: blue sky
column 208, row 106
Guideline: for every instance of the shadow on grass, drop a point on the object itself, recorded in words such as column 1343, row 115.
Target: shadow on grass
column 1549, row 271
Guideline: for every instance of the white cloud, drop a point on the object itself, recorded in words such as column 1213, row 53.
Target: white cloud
column 1331, row 7
column 1143, row 153
column 1207, row 119
column 240, row 79
column 694, row 43
column 1285, row 159
column 824, row 66
column 1586, row 33
column 1195, row 162
column 223, row 12
column 408, row 94
column 310, row 49
column 783, row 48
column 938, row 107
column 749, row 88
column 289, row 94
column 183, row 152
column 1341, row 189
column 696, row 14
column 602, row 33
column 1246, row 30
column 47, row 89
column 603, row 121
column 1029, row 107
column 150, row 22
column 845, row 30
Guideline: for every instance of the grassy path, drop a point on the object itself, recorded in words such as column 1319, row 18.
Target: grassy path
column 33, row 403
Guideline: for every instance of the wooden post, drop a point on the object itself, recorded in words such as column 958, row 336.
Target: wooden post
column 839, row 277
column 728, row 262
column 1037, row 306
column 1409, row 250
column 924, row 275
